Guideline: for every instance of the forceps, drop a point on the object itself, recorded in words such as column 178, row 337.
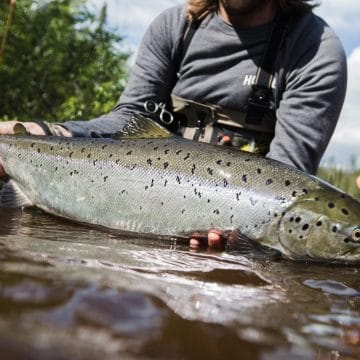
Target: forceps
column 165, row 116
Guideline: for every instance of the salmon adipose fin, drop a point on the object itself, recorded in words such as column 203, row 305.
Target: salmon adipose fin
column 12, row 197
column 141, row 127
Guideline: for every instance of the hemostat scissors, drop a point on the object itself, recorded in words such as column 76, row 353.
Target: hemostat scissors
column 165, row 116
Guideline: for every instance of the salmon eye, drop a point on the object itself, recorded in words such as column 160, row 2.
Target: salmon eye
column 356, row 234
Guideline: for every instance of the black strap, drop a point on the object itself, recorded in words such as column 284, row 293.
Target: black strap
column 44, row 127
column 260, row 99
column 185, row 42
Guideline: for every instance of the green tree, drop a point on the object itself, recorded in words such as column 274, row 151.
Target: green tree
column 61, row 62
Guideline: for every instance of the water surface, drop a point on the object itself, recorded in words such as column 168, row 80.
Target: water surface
column 72, row 291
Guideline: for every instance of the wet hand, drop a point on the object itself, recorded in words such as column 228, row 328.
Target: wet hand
column 213, row 239
column 7, row 128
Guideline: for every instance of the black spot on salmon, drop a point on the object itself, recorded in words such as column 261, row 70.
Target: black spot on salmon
column 208, row 200
column 290, row 231
column 244, row 178
column 38, row 150
column 111, row 155
column 187, row 156
column 162, row 203
column 165, row 183
column 178, row 152
column 178, row 179
column 166, row 164
column 334, row 229
column 216, row 211
column 331, row 205
column 247, row 160
column 89, row 156
column 269, row 181
column 287, row 182
column 152, row 183
column 291, row 219
column 51, row 148
column 345, row 211
column 231, row 218
column 166, row 151
column 146, row 187
column 155, row 148
column 83, row 149
column 193, row 169
column 210, row 171
column 228, row 163
column 105, row 178
column 238, row 196
column 258, row 171
column 305, row 227
column 319, row 223
column 219, row 162
column 149, row 161
column 32, row 145
column 225, row 183
column 298, row 219
column 293, row 193
column 71, row 173
column 182, row 211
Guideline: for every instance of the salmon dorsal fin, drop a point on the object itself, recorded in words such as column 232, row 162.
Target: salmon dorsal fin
column 140, row 127
column 20, row 129
column 12, row 197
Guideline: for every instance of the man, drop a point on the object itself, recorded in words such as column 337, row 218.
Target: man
column 260, row 75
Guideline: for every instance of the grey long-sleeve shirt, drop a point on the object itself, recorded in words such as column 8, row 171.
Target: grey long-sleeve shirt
column 218, row 67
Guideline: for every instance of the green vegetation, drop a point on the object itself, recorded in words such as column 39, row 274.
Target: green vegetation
column 61, row 62
column 342, row 179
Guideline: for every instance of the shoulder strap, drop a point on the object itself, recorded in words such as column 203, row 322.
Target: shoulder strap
column 259, row 101
column 184, row 43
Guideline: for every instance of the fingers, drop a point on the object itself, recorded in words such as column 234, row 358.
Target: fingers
column 358, row 181
column 2, row 172
column 7, row 127
column 214, row 238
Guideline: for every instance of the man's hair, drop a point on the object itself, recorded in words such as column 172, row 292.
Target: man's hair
column 198, row 9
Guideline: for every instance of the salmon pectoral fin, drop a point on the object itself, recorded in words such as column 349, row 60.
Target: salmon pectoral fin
column 13, row 197
column 240, row 243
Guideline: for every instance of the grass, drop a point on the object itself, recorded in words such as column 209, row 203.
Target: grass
column 342, row 179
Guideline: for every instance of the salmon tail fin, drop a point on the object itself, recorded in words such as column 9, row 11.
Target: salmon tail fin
column 140, row 127
column 12, row 197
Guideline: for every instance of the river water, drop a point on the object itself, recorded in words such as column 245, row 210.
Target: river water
column 72, row 291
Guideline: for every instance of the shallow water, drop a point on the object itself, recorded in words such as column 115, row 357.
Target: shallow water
column 71, row 291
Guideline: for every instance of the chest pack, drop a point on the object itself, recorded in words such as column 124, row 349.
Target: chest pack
column 252, row 130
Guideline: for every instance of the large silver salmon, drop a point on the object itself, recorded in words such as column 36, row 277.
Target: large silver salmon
column 170, row 186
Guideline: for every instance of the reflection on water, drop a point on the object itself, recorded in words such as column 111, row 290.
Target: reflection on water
column 70, row 291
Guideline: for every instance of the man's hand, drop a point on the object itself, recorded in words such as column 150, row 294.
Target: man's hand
column 358, row 181
column 7, row 128
column 213, row 239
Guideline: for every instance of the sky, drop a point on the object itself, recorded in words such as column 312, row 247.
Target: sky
column 132, row 17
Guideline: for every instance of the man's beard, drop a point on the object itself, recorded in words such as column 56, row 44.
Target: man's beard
column 243, row 7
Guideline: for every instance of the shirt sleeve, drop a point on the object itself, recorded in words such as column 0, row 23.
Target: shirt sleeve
column 152, row 77
column 315, row 86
